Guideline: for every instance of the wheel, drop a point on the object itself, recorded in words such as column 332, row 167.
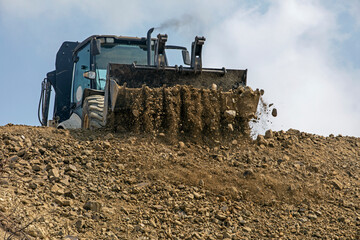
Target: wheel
column 92, row 112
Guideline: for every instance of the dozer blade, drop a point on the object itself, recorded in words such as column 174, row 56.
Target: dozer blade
column 140, row 101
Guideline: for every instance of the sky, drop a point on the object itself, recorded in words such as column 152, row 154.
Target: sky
column 305, row 54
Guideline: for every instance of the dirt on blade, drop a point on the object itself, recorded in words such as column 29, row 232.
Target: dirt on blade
column 183, row 111
column 60, row 184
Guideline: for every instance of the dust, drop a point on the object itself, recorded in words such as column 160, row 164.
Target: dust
column 264, row 117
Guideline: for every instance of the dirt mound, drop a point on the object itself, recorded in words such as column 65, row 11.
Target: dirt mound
column 59, row 184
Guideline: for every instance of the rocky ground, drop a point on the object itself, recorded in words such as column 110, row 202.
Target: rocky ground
column 60, row 184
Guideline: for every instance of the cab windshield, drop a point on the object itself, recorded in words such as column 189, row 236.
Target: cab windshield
column 118, row 53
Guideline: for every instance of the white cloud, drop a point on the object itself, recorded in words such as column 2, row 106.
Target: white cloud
column 288, row 50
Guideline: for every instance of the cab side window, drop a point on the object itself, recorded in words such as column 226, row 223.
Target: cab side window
column 80, row 82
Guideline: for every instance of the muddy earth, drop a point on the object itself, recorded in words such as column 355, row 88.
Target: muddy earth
column 60, row 184
column 201, row 115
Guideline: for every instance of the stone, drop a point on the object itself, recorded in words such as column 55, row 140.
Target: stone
column 106, row 145
column 35, row 232
column 221, row 216
column 230, row 127
column 79, row 224
column 33, row 185
column 98, row 147
column 222, row 199
column 230, row 114
column 312, row 217
column 197, row 195
column 36, row 168
column 249, row 173
column 213, row 87
column 57, row 189
column 261, row 140
column 93, row 206
column 247, row 229
column 274, row 112
column 181, row 145
column 71, row 168
column 201, row 183
column 337, row 184
column 269, row 134
column 62, row 202
column 69, row 195
column 158, row 207
column 54, row 173
column 109, row 136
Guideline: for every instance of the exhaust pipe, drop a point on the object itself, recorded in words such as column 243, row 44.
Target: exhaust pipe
column 148, row 43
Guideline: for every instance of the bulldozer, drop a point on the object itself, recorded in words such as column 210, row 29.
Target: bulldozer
column 126, row 84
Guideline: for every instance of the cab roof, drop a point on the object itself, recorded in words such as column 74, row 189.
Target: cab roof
column 123, row 38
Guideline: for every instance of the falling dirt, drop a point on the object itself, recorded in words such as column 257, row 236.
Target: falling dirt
column 60, row 184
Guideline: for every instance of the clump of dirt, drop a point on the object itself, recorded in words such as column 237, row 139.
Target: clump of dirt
column 60, row 184
column 184, row 111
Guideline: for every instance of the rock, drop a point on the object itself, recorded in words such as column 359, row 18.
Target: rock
column 36, row 168
column 249, row 173
column 57, row 189
column 98, row 147
column 197, row 195
column 152, row 223
column 71, row 168
column 69, row 195
column 213, row 87
column 261, row 140
column 79, row 224
column 35, row 231
column 181, row 145
column 62, row 202
column 54, row 174
column 222, row 199
column 106, row 145
column 226, row 235
column 109, row 136
column 33, row 185
column 246, row 229
column 87, row 152
column 93, row 206
column 158, row 207
column 234, row 142
column 274, row 112
column 221, row 216
column 312, row 217
column 230, row 127
column 337, row 184
column 269, row 134
column 201, row 183
column 230, row 115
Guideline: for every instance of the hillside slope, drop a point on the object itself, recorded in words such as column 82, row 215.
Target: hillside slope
column 60, row 184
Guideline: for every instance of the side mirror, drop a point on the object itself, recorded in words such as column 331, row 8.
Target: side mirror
column 186, row 57
column 95, row 47
column 89, row 75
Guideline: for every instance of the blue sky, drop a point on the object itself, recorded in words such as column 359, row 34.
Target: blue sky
column 305, row 54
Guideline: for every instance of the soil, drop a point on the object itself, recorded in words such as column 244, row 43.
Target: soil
column 61, row 184
column 182, row 111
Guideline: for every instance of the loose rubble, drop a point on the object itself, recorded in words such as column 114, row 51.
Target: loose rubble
column 60, row 184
